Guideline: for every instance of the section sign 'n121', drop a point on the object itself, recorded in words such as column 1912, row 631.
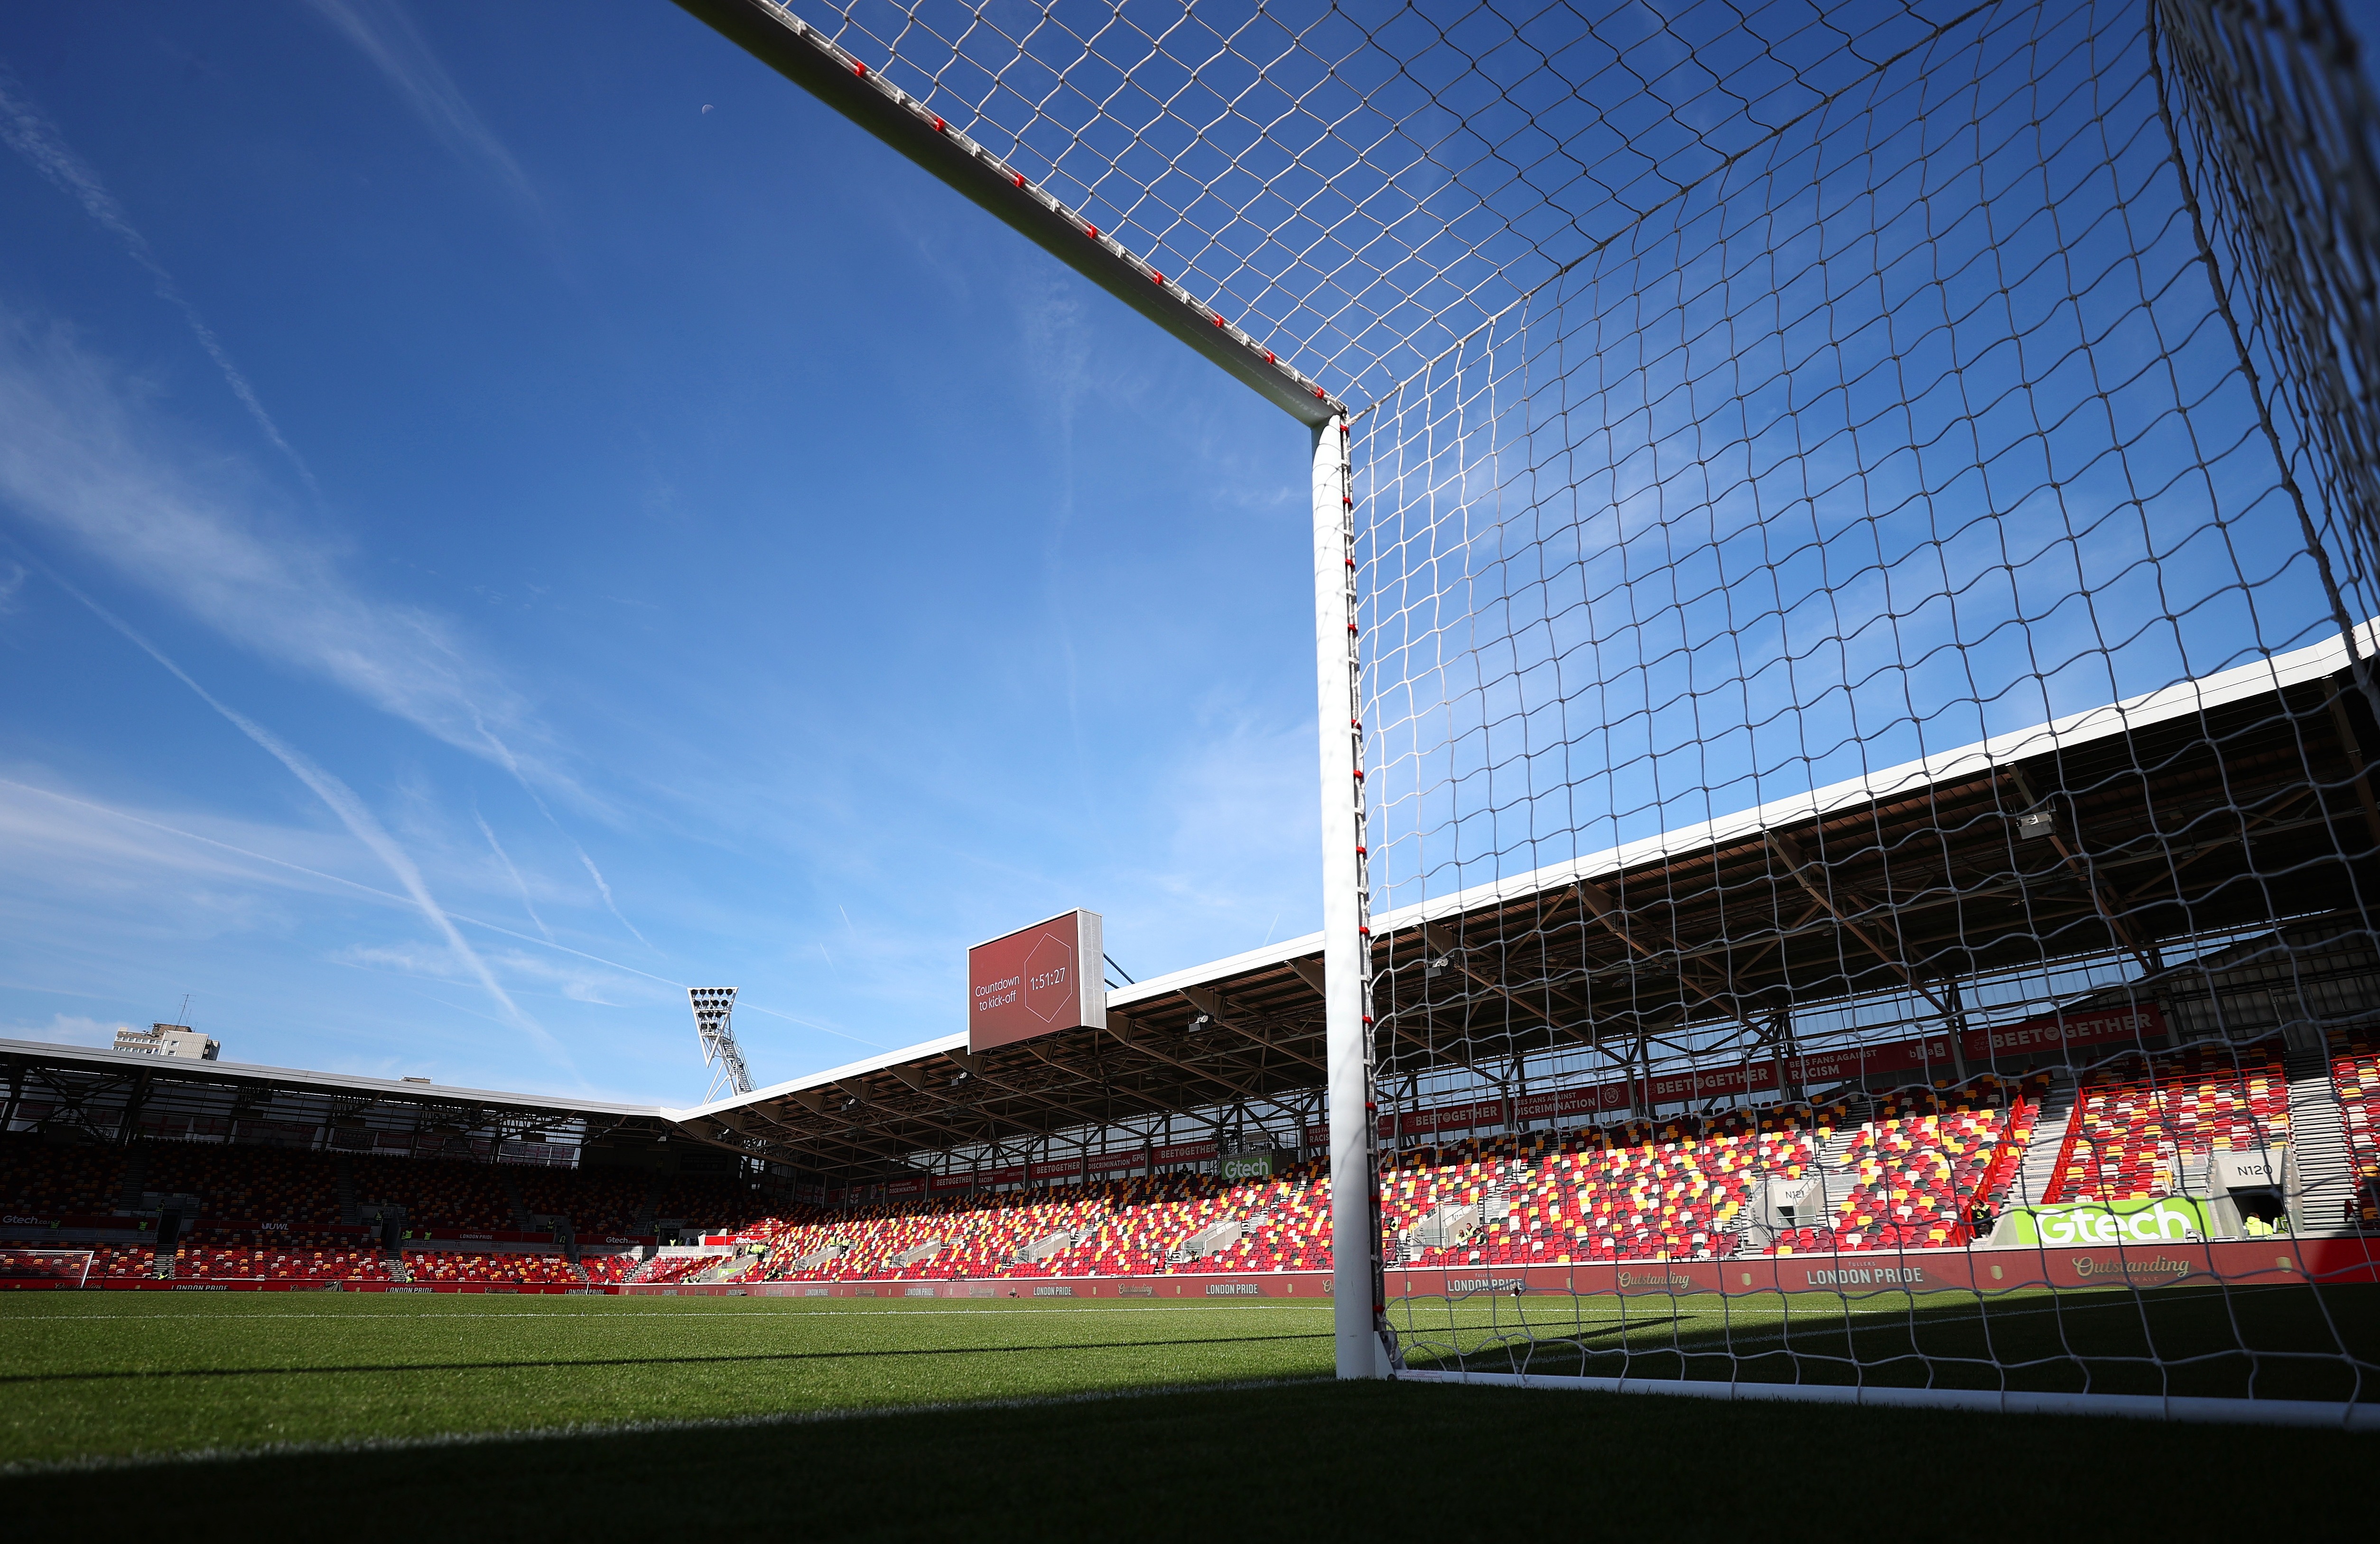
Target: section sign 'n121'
column 1037, row 979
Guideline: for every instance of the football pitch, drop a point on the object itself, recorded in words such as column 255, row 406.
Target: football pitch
column 1022, row 1418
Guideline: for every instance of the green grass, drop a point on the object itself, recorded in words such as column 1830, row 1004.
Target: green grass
column 2280, row 1342
column 118, row 1375
column 1073, row 1447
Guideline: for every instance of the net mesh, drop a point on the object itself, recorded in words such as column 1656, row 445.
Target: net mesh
column 1865, row 525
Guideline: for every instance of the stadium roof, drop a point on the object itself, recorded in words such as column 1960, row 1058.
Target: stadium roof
column 70, row 1079
column 2181, row 813
column 2177, row 813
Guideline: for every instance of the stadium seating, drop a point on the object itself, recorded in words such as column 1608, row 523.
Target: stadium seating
column 2355, row 1075
column 108, row 1262
column 437, row 1193
column 492, row 1268
column 1916, row 1169
column 249, row 1184
column 245, row 1254
column 1915, row 1173
column 1919, row 1167
column 665, row 1269
column 39, row 1177
column 604, row 1269
column 2139, row 1124
column 596, row 1201
column 714, row 1204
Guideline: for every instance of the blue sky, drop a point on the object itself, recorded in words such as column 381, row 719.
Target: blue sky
column 502, row 520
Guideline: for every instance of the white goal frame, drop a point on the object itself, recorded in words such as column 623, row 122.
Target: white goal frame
column 88, row 1257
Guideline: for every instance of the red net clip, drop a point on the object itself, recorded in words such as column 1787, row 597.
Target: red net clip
column 1268, row 359
column 1318, row 393
column 1219, row 322
column 1091, row 231
column 941, row 127
column 1359, row 774
column 858, row 68
column 1156, row 276
column 1020, row 179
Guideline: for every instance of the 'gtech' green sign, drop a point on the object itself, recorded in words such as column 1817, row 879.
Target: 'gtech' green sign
column 1248, row 1166
column 2174, row 1220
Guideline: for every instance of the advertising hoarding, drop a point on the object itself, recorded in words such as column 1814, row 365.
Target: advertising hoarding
column 2168, row 1220
column 1037, row 980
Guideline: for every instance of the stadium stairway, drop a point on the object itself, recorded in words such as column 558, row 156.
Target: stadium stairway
column 644, row 1228
column 2317, row 1145
column 343, row 1175
column 2034, row 1177
column 521, row 1219
column 136, row 1177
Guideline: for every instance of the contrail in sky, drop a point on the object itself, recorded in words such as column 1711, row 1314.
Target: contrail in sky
column 36, row 140
column 359, row 821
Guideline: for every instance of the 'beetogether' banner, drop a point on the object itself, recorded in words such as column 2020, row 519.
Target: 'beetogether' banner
column 2144, row 1024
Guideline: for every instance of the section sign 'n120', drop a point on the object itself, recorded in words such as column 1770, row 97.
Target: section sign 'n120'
column 1037, row 979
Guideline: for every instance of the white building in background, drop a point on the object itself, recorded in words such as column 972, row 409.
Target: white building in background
column 178, row 1041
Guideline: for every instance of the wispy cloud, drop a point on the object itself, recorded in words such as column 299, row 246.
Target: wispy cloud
column 70, row 1029
column 34, row 821
column 355, row 815
column 597, row 875
column 505, row 857
column 36, row 140
column 383, row 31
column 81, row 455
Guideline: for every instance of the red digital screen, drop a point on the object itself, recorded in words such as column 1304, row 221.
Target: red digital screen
column 1035, row 981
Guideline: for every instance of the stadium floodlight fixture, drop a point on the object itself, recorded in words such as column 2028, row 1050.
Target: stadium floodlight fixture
column 714, row 1025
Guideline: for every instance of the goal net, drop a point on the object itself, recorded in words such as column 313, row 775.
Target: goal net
column 69, row 1267
column 1860, row 532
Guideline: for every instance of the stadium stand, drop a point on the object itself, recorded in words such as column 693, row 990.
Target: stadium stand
column 712, row 1204
column 606, row 1270
column 1927, row 1167
column 595, row 1201
column 2355, row 1074
column 1917, row 1172
column 1919, row 1167
column 2137, row 1127
column 665, row 1269
column 108, row 1261
column 259, row 1184
column 437, row 1193
column 45, row 1178
column 242, row 1254
column 462, row 1265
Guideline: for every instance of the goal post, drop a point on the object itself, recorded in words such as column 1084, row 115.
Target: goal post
column 1364, row 1344
column 65, row 1267
column 1847, row 580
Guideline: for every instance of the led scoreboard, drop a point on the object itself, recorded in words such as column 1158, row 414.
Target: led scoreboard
column 1037, row 979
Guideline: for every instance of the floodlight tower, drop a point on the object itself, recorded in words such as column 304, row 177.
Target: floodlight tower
column 715, row 1023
